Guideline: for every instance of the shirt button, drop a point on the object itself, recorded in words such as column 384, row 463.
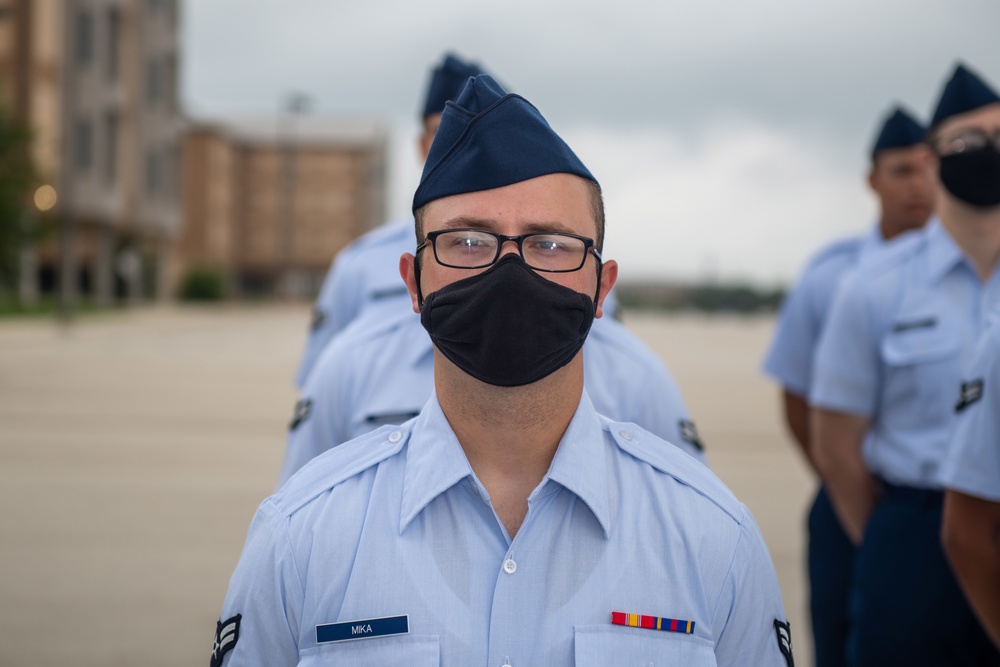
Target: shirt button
column 509, row 566
column 395, row 436
column 625, row 434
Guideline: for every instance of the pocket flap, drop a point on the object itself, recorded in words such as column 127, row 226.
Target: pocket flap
column 398, row 651
column 602, row 645
column 919, row 346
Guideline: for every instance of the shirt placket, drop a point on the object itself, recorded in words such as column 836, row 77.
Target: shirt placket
column 517, row 594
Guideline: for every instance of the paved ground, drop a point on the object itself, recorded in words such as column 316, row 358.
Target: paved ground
column 135, row 447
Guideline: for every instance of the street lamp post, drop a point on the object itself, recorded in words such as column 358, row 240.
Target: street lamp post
column 296, row 105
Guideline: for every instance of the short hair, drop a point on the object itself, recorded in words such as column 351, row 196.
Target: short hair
column 596, row 211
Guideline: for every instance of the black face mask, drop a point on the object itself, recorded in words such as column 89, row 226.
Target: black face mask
column 973, row 177
column 508, row 326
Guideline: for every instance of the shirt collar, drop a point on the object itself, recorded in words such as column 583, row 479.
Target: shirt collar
column 435, row 462
column 581, row 462
column 871, row 241
column 943, row 254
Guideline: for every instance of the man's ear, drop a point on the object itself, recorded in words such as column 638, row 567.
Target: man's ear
column 609, row 274
column 408, row 271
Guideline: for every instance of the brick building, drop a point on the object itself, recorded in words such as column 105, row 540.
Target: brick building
column 269, row 203
column 96, row 80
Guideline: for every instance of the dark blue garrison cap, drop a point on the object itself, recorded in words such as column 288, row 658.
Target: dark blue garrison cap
column 964, row 92
column 447, row 81
column 488, row 139
column 900, row 130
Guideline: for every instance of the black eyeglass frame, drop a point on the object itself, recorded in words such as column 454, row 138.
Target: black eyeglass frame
column 588, row 247
column 941, row 147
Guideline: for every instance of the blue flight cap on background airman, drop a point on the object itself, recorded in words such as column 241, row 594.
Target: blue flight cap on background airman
column 447, row 81
column 964, row 92
column 900, row 130
column 489, row 138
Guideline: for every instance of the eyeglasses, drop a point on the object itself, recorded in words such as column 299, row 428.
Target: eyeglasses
column 969, row 141
column 555, row 252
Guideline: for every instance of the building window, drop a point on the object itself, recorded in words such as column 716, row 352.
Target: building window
column 154, row 172
column 111, row 146
column 113, row 42
column 170, row 81
column 84, row 38
column 154, row 81
column 83, row 144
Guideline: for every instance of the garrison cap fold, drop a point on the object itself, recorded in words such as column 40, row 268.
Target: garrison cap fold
column 964, row 92
column 447, row 81
column 489, row 138
column 899, row 130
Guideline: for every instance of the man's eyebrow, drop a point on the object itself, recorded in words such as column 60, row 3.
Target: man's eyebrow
column 491, row 225
column 465, row 221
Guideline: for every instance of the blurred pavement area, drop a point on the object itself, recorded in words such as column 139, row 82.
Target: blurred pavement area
column 135, row 447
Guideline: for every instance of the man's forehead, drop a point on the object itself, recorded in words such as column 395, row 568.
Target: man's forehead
column 904, row 155
column 987, row 118
column 554, row 202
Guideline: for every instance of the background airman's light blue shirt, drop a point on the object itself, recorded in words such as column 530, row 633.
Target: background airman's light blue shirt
column 900, row 334
column 803, row 314
column 972, row 465
column 380, row 370
column 365, row 273
column 396, row 523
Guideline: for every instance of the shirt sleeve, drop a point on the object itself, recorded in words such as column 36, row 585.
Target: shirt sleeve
column 264, row 602
column 338, row 304
column 847, row 366
column 972, row 465
column 313, row 428
column 660, row 409
column 750, row 611
column 790, row 357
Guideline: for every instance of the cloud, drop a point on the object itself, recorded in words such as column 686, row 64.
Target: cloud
column 731, row 134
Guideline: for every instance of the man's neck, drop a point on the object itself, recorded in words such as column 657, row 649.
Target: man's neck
column 975, row 231
column 509, row 434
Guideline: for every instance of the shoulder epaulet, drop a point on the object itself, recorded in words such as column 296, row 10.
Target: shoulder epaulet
column 363, row 330
column 672, row 461
column 388, row 233
column 892, row 255
column 836, row 250
column 339, row 464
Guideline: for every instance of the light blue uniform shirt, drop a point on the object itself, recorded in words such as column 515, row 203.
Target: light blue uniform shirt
column 380, row 370
column 972, row 465
column 365, row 274
column 899, row 336
column 396, row 523
column 803, row 314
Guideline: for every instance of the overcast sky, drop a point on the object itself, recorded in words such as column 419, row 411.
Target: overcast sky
column 730, row 137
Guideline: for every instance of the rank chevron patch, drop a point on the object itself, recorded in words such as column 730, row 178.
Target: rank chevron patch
column 227, row 633
column 784, row 632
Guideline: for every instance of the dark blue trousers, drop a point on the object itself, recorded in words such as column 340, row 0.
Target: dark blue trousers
column 831, row 568
column 906, row 606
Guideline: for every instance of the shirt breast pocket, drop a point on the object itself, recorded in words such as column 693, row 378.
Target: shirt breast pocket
column 922, row 374
column 913, row 348
column 602, row 645
column 399, row 651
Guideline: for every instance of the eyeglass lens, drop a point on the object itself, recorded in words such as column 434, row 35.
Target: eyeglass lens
column 475, row 249
column 971, row 140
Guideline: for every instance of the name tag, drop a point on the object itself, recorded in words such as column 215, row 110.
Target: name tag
column 363, row 629
column 926, row 323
